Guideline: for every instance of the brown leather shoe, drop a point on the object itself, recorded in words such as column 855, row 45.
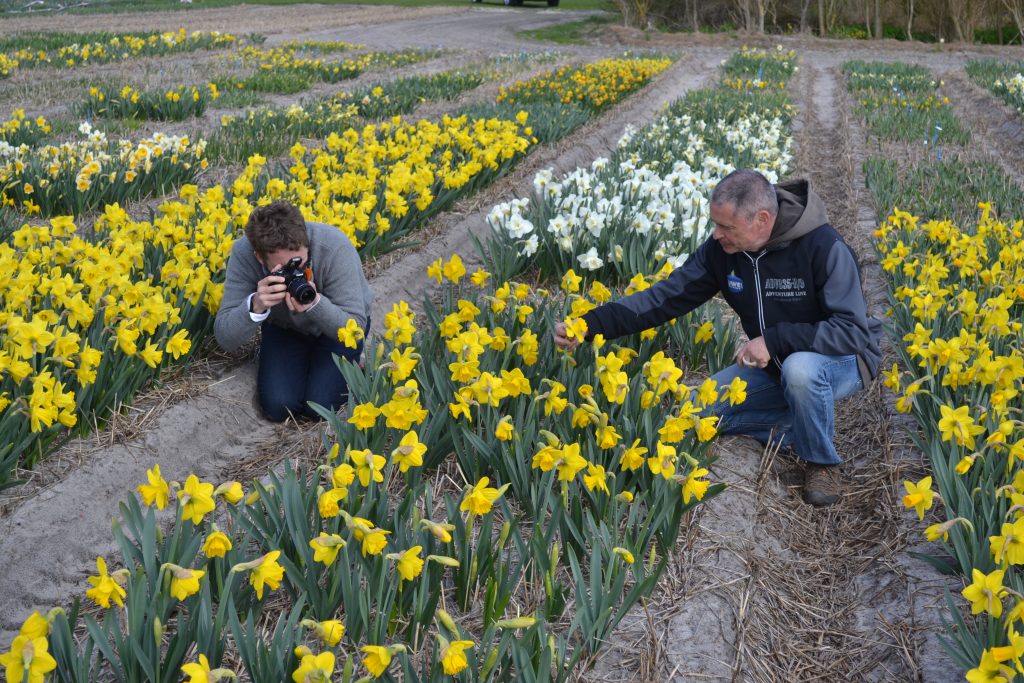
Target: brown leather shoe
column 822, row 485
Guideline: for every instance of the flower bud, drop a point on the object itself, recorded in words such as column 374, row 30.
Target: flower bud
column 443, row 559
column 516, row 623
column 492, row 659
column 447, row 621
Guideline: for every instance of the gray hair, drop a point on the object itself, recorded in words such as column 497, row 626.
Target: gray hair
column 748, row 191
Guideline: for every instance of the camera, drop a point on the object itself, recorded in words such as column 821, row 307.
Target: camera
column 296, row 279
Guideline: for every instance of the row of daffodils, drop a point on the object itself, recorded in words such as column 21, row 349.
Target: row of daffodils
column 73, row 52
column 488, row 510
column 956, row 299
column 957, row 302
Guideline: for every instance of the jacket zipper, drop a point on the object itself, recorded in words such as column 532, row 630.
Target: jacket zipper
column 757, row 288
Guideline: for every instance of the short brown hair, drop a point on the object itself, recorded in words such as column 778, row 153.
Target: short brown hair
column 747, row 191
column 274, row 226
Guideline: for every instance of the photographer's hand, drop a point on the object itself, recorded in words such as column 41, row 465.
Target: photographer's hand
column 270, row 291
column 295, row 307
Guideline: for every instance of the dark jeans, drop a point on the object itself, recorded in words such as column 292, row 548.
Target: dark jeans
column 295, row 369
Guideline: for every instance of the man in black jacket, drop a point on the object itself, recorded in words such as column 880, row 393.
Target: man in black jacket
column 795, row 285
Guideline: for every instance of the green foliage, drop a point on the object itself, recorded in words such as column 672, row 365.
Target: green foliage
column 270, row 131
column 861, row 75
column 54, row 40
column 767, row 65
column 986, row 72
column 173, row 104
column 550, row 121
column 379, row 101
column 1005, row 79
column 940, row 189
column 910, row 117
column 899, row 102
column 276, row 81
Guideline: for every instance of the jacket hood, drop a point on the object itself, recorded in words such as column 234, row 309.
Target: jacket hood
column 800, row 211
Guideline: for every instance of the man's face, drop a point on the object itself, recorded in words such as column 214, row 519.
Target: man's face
column 276, row 260
column 735, row 233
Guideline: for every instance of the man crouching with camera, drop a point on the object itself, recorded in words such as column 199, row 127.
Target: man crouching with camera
column 299, row 282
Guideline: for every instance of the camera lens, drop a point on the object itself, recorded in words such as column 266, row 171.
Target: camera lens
column 302, row 291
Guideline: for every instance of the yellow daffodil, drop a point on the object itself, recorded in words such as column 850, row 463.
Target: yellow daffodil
column 196, row 499
column 156, row 492
column 481, row 497
column 105, row 587
column 919, row 496
column 985, row 592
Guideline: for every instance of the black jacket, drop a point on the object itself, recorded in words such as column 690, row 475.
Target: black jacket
column 801, row 292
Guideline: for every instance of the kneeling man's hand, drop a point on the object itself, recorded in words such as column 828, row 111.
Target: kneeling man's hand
column 753, row 354
column 562, row 340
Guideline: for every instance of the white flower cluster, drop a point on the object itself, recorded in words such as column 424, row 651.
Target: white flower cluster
column 754, row 141
column 653, row 203
column 592, row 212
column 1015, row 88
column 94, row 156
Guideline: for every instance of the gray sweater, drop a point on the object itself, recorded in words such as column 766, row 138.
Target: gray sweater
column 337, row 274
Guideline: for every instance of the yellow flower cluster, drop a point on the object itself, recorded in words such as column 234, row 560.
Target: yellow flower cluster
column 7, row 65
column 75, row 309
column 882, row 99
column 368, row 184
column 290, row 60
column 172, row 104
column 476, row 339
column 19, row 129
column 365, row 183
column 596, row 86
column 753, row 84
column 957, row 297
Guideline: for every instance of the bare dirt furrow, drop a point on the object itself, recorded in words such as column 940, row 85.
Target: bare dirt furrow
column 908, row 593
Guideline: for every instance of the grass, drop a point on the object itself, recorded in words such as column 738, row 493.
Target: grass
column 571, row 33
column 102, row 6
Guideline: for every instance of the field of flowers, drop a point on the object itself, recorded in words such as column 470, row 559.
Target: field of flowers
column 488, row 508
column 378, row 184
column 954, row 282
column 899, row 102
column 371, row 563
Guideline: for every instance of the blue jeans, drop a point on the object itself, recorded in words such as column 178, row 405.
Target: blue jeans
column 295, row 369
column 799, row 410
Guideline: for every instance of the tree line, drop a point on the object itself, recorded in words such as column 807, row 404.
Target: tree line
column 968, row 21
